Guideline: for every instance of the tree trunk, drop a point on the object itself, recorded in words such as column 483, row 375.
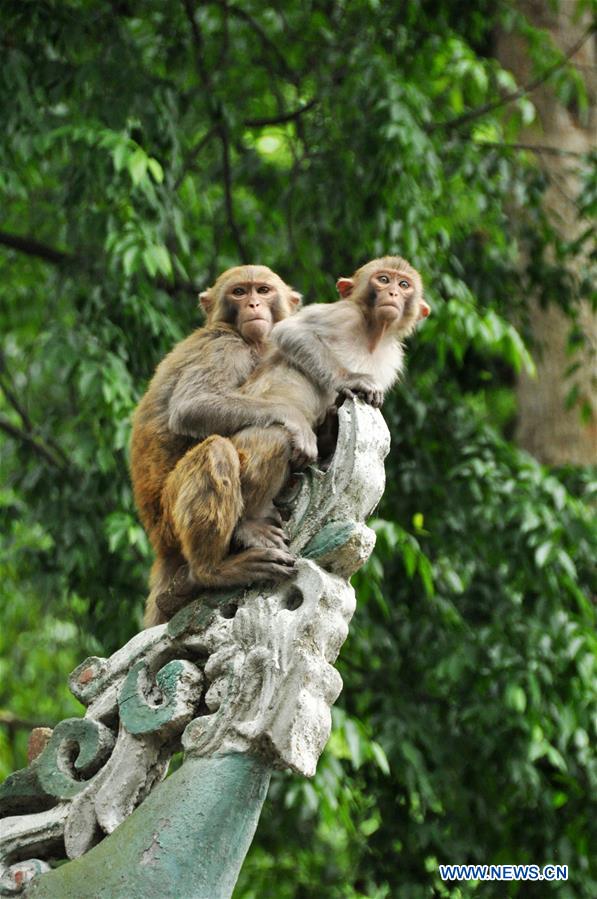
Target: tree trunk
column 546, row 428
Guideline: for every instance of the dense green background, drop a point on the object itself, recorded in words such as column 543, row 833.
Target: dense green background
column 145, row 148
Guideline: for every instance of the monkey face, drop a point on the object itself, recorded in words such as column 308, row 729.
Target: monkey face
column 394, row 293
column 252, row 298
column 252, row 304
column 390, row 291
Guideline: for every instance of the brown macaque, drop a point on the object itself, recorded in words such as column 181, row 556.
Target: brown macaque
column 185, row 472
column 349, row 348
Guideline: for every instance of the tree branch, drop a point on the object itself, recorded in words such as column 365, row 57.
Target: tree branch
column 192, row 154
column 32, row 442
column 173, row 288
column 267, row 42
column 534, row 148
column 10, row 393
column 219, row 126
column 280, row 119
column 198, row 42
column 228, row 196
column 33, row 247
column 13, row 722
column 11, row 396
column 514, row 95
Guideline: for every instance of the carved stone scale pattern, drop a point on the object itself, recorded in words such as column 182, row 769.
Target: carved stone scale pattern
column 246, row 671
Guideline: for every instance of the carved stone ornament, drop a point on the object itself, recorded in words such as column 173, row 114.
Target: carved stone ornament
column 244, row 671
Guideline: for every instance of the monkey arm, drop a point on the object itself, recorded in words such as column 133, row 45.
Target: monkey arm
column 195, row 411
column 302, row 342
column 213, row 413
column 205, row 413
column 319, row 341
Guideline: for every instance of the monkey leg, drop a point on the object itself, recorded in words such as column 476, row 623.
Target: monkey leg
column 203, row 502
column 265, row 463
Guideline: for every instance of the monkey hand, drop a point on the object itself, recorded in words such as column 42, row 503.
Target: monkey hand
column 261, row 532
column 303, row 442
column 361, row 386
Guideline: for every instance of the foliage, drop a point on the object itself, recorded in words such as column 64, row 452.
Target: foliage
column 145, row 147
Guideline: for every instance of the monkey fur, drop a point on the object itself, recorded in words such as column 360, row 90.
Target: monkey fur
column 352, row 347
column 186, row 480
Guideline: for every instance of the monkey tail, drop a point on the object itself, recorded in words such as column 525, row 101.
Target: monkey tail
column 162, row 571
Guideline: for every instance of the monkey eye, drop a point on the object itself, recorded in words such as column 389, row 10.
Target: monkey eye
column 238, row 291
column 403, row 284
column 383, row 279
column 263, row 289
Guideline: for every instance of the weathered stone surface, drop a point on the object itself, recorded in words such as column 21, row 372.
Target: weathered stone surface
column 241, row 679
column 353, row 484
column 16, row 878
column 28, row 835
column 187, row 841
column 271, row 681
column 341, row 547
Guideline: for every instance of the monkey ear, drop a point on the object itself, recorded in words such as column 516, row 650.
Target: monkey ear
column 295, row 298
column 206, row 300
column 424, row 309
column 345, row 286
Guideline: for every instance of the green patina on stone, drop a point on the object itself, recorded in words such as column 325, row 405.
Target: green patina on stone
column 81, row 741
column 194, row 617
column 330, row 538
column 21, row 793
column 198, row 614
column 137, row 715
column 187, row 840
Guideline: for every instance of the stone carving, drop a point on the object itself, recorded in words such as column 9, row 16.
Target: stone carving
column 245, row 671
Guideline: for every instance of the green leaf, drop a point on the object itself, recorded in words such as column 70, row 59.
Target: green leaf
column 515, row 698
column 156, row 170
column 137, row 165
column 379, row 757
column 353, row 740
column 541, row 554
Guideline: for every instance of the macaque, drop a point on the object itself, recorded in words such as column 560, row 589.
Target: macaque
column 354, row 346
column 185, row 472
column 349, row 348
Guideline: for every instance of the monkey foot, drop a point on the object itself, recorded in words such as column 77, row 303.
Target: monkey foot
column 252, row 565
column 260, row 564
